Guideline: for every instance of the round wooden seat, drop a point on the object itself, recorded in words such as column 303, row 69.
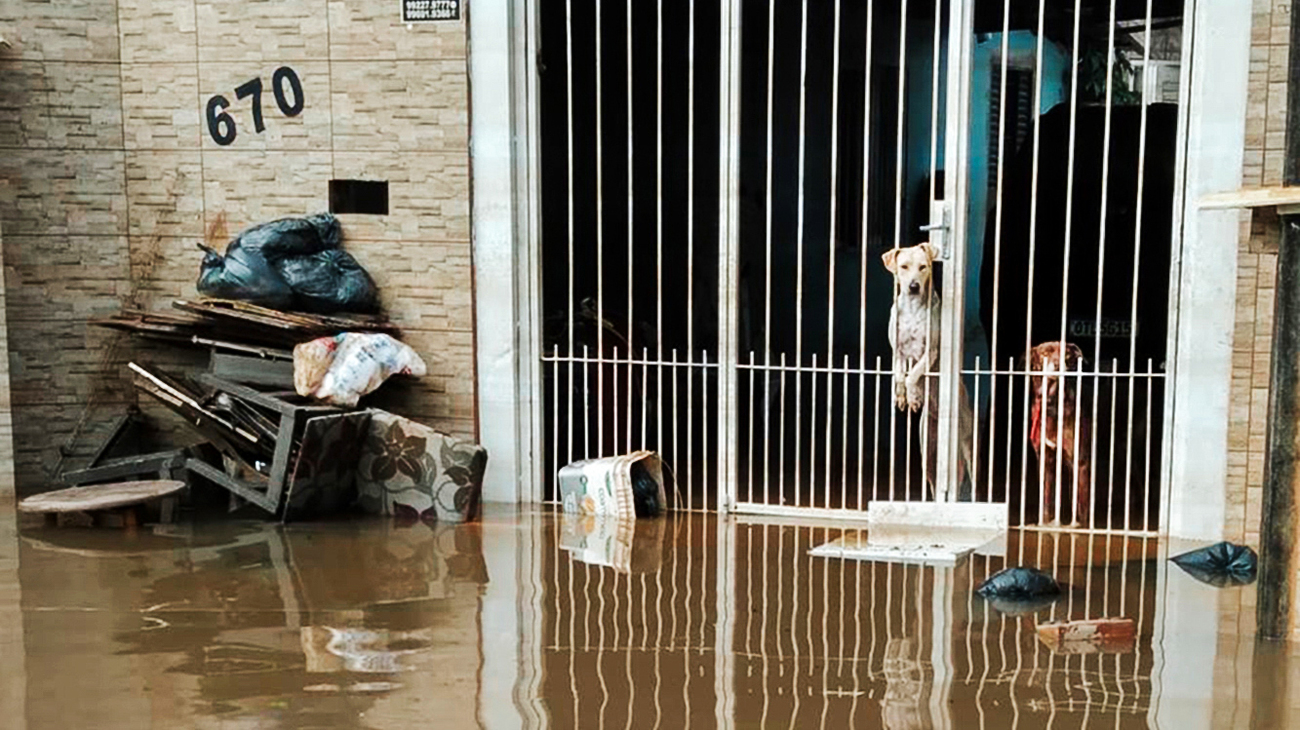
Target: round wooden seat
column 100, row 497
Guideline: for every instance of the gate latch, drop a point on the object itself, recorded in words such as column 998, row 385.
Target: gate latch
column 938, row 228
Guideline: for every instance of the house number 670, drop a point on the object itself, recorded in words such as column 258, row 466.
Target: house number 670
column 222, row 126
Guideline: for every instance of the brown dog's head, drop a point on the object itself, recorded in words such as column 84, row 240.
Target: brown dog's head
column 912, row 267
column 1050, row 358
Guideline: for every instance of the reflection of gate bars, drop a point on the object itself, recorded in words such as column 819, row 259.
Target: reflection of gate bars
column 742, row 610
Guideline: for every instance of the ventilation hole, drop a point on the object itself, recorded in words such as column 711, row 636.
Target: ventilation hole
column 359, row 196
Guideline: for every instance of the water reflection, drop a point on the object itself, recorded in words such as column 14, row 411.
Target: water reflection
column 545, row 621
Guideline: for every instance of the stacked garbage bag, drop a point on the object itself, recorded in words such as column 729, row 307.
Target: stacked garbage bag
column 291, row 264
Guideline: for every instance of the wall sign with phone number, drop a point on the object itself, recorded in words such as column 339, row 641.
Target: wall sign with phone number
column 284, row 85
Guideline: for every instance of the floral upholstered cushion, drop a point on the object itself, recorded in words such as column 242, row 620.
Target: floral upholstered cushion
column 416, row 473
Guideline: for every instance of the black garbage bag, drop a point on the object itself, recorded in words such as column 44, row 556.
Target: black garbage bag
column 645, row 492
column 1220, row 565
column 1021, row 606
column 330, row 281
column 245, row 275
column 1019, row 584
column 287, row 237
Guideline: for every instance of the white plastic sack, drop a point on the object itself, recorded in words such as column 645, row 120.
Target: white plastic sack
column 341, row 369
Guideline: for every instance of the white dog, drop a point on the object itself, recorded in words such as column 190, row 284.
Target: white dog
column 914, row 323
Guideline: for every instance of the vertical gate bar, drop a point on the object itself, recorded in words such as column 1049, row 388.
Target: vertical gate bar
column 780, row 472
column 659, row 232
column 690, row 252
column 1110, row 459
column 751, row 464
column 767, row 272
column 1033, row 241
column 1011, row 397
column 1137, row 263
column 631, row 298
column 586, row 405
column 844, row 442
column 997, row 240
column 1101, row 254
column 812, row 434
column 864, row 245
column 956, row 189
column 614, row 393
column 571, row 321
column 729, row 269
column 1146, row 480
column 931, row 388
column 1069, row 223
column 600, row 256
column 975, row 432
column 830, row 244
column 901, row 133
column 798, row 286
column 555, row 417
column 875, row 439
column 645, row 396
column 672, row 368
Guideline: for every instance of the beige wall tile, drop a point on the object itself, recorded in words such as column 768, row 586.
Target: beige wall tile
column 158, row 31
column 400, row 105
column 250, row 187
column 85, row 105
column 165, row 193
column 54, row 193
column 77, row 30
column 270, row 32
column 162, row 106
column 24, row 105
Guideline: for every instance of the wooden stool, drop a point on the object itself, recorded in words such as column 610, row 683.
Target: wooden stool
column 123, row 499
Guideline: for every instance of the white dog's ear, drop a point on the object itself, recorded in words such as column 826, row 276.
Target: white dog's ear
column 931, row 250
column 889, row 258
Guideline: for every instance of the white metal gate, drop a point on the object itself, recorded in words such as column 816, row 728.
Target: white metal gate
column 712, row 232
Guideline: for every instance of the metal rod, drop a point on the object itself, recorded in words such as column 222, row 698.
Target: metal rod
column 1033, row 240
column 997, row 235
column 631, row 236
column 571, row 321
column 690, row 251
column 767, row 275
column 864, row 245
column 600, row 253
column 799, row 234
column 831, row 241
column 659, row 227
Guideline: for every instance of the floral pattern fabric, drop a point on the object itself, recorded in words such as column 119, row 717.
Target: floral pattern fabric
column 418, row 474
column 325, row 475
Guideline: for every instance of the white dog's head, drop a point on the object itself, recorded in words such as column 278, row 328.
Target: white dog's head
column 912, row 267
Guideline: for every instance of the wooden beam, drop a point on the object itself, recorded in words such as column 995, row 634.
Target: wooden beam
column 1273, row 197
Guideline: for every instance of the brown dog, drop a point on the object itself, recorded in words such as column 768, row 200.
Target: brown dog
column 1058, row 425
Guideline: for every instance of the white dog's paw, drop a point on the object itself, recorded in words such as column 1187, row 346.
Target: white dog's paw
column 914, row 399
column 900, row 395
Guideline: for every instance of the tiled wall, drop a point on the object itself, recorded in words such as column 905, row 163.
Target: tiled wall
column 114, row 178
column 1257, row 268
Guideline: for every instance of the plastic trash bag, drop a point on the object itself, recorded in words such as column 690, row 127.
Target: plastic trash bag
column 291, row 263
column 1019, row 583
column 244, row 275
column 330, row 281
column 287, row 237
column 1220, row 565
column 341, row 369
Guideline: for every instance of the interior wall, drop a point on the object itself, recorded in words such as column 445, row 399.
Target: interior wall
column 115, row 177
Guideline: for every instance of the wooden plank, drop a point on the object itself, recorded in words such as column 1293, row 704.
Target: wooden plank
column 252, row 370
column 126, row 467
column 983, row 515
column 1110, row 635
column 236, row 486
column 1251, row 198
column 100, row 496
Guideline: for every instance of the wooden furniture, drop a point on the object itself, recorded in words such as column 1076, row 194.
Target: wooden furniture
column 123, row 498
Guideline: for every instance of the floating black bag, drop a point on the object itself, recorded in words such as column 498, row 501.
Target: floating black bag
column 330, row 281
column 1019, row 584
column 1220, row 565
column 243, row 275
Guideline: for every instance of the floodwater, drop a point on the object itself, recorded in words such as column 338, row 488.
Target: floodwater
column 534, row 621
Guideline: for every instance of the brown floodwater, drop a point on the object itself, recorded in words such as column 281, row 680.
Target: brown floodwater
column 533, row 621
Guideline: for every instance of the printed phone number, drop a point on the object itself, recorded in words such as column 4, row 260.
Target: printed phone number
column 432, row 10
